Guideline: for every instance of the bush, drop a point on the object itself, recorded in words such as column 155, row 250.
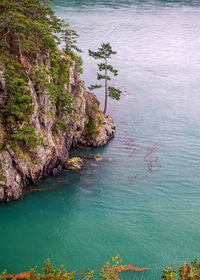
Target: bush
column 185, row 272
column 91, row 127
column 28, row 136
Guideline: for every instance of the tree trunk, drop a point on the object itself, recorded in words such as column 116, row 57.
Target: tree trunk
column 106, row 89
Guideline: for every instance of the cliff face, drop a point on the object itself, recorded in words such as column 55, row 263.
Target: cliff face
column 87, row 125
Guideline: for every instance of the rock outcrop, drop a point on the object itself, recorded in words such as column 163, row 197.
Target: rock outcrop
column 86, row 125
column 75, row 163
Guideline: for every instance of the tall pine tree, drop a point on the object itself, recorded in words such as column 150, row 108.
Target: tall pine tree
column 104, row 53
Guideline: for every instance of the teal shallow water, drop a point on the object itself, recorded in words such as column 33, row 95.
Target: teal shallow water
column 144, row 204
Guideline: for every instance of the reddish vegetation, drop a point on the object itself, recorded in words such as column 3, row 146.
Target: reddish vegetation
column 131, row 267
column 147, row 154
column 125, row 267
column 21, row 275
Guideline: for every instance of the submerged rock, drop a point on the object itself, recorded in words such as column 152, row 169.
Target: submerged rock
column 93, row 165
column 75, row 163
column 98, row 157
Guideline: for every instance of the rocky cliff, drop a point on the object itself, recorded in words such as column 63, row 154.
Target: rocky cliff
column 59, row 130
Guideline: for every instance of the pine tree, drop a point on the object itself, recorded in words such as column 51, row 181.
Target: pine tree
column 104, row 53
column 69, row 37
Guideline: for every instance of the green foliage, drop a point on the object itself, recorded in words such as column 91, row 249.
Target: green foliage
column 27, row 136
column 91, row 127
column 94, row 87
column 111, row 270
column 39, row 77
column 89, row 276
column 3, row 45
column 78, row 61
column 3, row 275
column 28, row 27
column 105, row 52
column 59, row 72
column 99, row 117
column 69, row 37
column 61, row 125
column 28, row 36
column 50, row 272
column 18, row 107
column 103, row 77
column 95, row 107
column 185, row 272
column 87, row 118
column 51, row 112
column 102, row 67
column 19, row 102
column 2, row 177
column 114, row 93
column 1, row 148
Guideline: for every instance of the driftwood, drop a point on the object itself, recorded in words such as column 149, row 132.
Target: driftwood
column 24, row 275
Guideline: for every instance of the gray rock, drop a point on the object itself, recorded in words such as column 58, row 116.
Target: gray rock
column 75, row 163
column 98, row 157
column 103, row 133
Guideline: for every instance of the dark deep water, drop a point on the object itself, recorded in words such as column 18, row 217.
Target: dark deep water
column 145, row 203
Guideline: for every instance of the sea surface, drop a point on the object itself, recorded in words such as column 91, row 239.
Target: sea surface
column 143, row 199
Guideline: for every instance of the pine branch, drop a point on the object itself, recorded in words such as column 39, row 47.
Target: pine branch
column 114, row 93
column 96, row 55
column 92, row 87
column 100, row 77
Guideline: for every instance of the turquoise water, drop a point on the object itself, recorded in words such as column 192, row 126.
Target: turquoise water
column 145, row 203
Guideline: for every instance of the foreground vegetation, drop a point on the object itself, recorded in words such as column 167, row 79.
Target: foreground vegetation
column 110, row 271
column 186, row 272
column 50, row 272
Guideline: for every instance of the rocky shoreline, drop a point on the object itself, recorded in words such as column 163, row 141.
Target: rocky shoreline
column 87, row 126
